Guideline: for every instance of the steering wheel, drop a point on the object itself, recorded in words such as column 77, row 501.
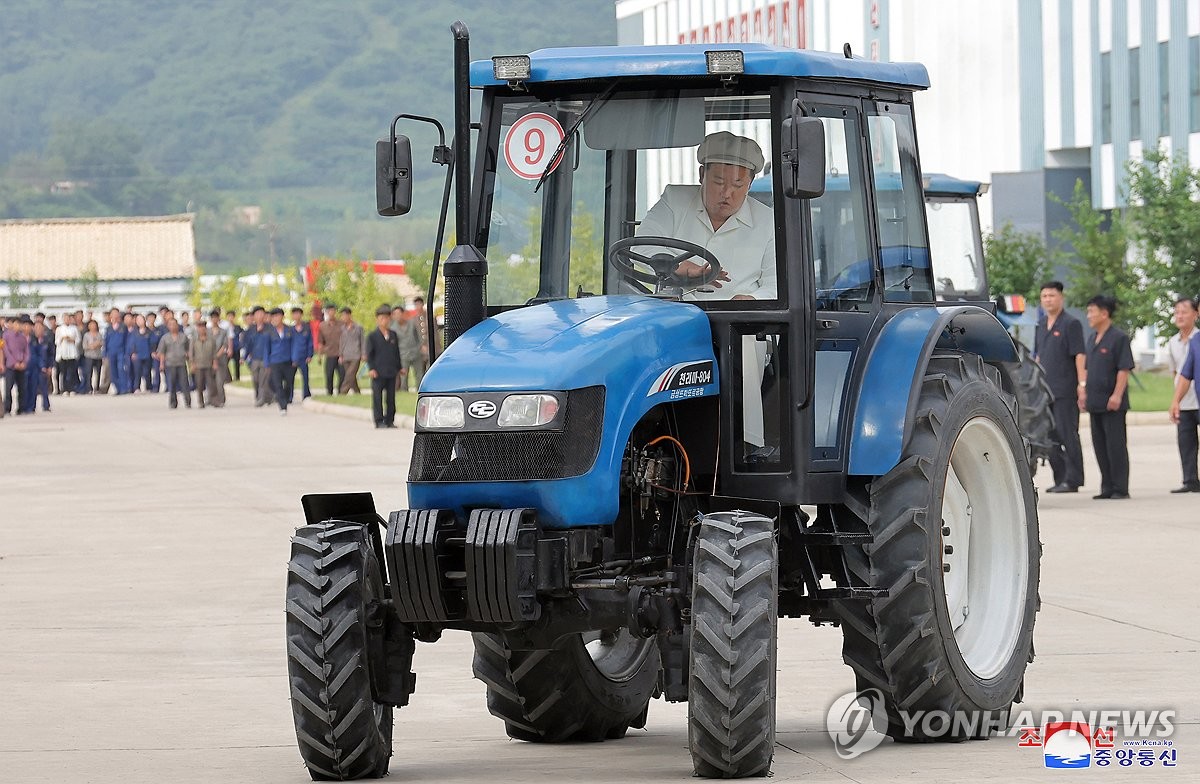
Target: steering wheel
column 662, row 266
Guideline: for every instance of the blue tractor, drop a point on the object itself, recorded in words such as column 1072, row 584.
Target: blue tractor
column 667, row 416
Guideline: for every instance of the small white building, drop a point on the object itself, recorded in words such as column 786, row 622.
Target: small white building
column 142, row 263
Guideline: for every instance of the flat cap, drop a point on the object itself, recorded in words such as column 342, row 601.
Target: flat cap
column 725, row 147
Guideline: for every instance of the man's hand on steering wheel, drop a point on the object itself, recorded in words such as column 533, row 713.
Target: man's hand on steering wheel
column 690, row 270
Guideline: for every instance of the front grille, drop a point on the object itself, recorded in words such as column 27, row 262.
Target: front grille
column 513, row 457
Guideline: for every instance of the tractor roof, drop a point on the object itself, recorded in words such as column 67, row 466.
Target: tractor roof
column 936, row 184
column 566, row 64
column 945, row 184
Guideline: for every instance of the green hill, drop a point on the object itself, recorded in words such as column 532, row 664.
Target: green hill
column 153, row 106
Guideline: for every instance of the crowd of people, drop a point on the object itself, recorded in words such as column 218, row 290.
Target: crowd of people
column 1092, row 375
column 43, row 356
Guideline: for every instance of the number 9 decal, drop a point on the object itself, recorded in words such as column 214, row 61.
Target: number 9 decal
column 529, row 142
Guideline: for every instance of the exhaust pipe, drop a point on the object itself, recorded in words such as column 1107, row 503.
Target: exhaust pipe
column 465, row 268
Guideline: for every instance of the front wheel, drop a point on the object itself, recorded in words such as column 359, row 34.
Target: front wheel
column 334, row 578
column 590, row 687
column 735, row 600
column 956, row 546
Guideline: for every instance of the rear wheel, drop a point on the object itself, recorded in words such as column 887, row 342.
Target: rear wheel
column 590, row 687
column 1035, row 413
column 333, row 578
column 731, row 694
column 956, row 546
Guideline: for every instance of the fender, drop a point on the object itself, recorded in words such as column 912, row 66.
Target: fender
column 645, row 352
column 882, row 418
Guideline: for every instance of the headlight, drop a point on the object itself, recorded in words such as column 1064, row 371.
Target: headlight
column 527, row 410
column 440, row 412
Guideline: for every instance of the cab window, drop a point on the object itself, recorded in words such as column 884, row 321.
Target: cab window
column 899, row 205
column 842, row 256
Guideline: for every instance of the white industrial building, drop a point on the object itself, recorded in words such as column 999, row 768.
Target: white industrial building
column 141, row 263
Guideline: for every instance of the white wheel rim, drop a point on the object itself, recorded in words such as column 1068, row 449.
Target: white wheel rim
column 617, row 655
column 985, row 548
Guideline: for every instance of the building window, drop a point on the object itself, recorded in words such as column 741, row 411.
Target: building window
column 1164, row 90
column 1106, row 97
column 1194, row 77
column 1135, row 94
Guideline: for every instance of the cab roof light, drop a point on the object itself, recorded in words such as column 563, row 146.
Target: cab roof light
column 725, row 62
column 511, row 68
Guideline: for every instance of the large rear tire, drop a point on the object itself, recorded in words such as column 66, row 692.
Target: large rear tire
column 956, row 546
column 735, row 600
column 1035, row 412
column 333, row 576
column 589, row 688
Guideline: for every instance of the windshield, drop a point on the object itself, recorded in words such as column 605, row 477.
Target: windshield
column 953, row 238
column 630, row 169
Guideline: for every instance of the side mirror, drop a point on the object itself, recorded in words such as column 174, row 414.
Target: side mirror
column 803, row 156
column 393, row 176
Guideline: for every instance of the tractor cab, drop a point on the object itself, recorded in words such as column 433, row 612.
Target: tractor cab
column 581, row 156
column 952, row 211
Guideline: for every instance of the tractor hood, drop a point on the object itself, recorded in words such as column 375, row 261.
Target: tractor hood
column 614, row 341
column 642, row 352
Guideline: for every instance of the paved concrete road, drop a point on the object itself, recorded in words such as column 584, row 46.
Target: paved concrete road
column 142, row 561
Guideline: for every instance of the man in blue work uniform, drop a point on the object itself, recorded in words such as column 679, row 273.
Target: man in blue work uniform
column 235, row 348
column 305, row 344
column 138, row 344
column 243, row 348
column 283, row 356
column 127, row 355
column 157, row 331
column 114, row 350
column 37, row 377
column 257, row 355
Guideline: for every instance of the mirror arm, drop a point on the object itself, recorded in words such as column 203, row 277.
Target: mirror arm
column 443, row 156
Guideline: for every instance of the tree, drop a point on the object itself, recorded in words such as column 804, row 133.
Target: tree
column 1017, row 262
column 18, row 297
column 228, row 294
column 1100, row 263
column 195, row 292
column 87, row 288
column 1164, row 220
column 354, row 284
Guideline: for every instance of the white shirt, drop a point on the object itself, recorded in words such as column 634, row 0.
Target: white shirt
column 744, row 245
column 1177, row 350
column 66, row 339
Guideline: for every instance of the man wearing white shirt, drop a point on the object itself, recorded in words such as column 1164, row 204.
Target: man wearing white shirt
column 66, row 352
column 716, row 215
column 1188, row 421
column 740, row 232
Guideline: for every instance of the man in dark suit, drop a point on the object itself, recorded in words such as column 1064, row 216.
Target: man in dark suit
column 383, row 364
column 1109, row 362
column 1058, row 346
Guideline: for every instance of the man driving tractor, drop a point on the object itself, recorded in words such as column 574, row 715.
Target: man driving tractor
column 717, row 215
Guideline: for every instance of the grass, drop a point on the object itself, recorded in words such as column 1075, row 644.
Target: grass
column 406, row 402
column 1150, row 391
